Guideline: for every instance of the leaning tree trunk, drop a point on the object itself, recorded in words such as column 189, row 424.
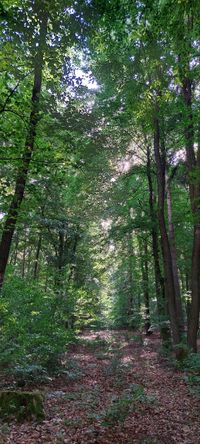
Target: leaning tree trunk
column 10, row 223
column 167, row 259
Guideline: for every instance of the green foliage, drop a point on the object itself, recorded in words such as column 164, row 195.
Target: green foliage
column 29, row 373
column 191, row 366
column 32, row 340
column 114, row 367
column 22, row 406
column 137, row 338
column 123, row 405
column 86, row 216
column 86, row 309
column 181, row 351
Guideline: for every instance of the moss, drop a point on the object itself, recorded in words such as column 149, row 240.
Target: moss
column 21, row 405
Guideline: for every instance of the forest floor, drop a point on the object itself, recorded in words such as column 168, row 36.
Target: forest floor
column 116, row 389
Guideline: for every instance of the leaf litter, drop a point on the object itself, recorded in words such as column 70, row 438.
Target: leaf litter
column 113, row 390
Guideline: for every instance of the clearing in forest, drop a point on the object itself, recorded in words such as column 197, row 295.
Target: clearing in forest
column 115, row 389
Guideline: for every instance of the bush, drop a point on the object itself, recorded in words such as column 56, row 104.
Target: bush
column 32, row 340
column 29, row 373
column 122, row 406
column 21, row 406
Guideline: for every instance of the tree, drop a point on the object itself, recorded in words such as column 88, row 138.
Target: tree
column 9, row 227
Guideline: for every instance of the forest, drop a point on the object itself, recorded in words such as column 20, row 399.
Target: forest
column 99, row 221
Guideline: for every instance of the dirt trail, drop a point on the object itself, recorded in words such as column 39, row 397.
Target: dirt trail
column 114, row 390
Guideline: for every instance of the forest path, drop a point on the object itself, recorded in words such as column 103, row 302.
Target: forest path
column 116, row 389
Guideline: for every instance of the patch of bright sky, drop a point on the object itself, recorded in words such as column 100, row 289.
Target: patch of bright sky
column 87, row 79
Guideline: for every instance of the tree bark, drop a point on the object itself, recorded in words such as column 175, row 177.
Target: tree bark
column 193, row 324
column 11, row 220
column 193, row 165
column 35, row 273
column 29, row 259
column 167, row 259
column 145, row 279
column 130, row 277
column 24, row 254
column 159, row 280
column 172, row 243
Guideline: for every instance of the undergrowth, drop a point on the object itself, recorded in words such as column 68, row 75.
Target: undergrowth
column 121, row 406
column 33, row 338
column 191, row 367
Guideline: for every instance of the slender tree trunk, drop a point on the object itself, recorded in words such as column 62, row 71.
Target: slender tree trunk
column 168, row 269
column 193, row 165
column 35, row 273
column 174, row 254
column 28, row 261
column 145, row 279
column 146, row 290
column 59, row 278
column 10, row 223
column 188, row 301
column 193, row 324
column 159, row 280
column 13, row 259
column 182, row 282
column 130, row 277
column 24, row 256
column 73, row 269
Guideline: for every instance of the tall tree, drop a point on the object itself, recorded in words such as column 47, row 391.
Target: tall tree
column 41, row 17
column 183, row 35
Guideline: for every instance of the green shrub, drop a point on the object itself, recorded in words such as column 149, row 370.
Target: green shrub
column 122, row 406
column 21, row 405
column 28, row 373
column 32, row 338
